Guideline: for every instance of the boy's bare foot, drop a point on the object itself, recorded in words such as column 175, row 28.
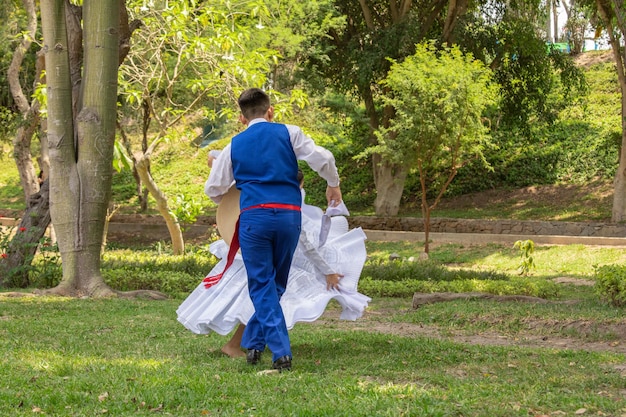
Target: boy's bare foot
column 233, row 351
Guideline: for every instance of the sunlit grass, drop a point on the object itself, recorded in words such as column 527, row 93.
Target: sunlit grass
column 132, row 358
column 11, row 194
column 550, row 261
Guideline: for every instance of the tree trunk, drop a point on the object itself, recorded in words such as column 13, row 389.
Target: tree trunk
column 30, row 113
column 389, row 180
column 23, row 246
column 22, row 154
column 142, row 192
column 426, row 216
column 555, row 23
column 618, row 212
column 81, row 149
column 178, row 244
column 44, row 157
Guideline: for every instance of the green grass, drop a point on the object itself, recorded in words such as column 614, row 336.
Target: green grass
column 80, row 357
column 11, row 194
column 77, row 357
column 550, row 261
column 71, row 357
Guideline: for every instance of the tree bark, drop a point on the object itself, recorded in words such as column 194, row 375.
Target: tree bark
column 82, row 104
column 456, row 8
column 23, row 246
column 618, row 212
column 81, row 147
column 30, row 113
column 176, row 235
column 389, row 180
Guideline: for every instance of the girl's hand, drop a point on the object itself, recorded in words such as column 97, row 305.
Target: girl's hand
column 332, row 281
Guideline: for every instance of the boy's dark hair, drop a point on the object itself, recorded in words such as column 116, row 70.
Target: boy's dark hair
column 253, row 103
column 300, row 176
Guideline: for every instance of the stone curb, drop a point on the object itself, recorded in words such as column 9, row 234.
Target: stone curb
column 486, row 238
column 508, row 232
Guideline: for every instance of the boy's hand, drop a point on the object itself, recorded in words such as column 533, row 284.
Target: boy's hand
column 333, row 196
column 210, row 160
column 332, row 281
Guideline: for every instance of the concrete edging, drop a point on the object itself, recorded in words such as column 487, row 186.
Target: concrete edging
column 486, row 238
column 154, row 232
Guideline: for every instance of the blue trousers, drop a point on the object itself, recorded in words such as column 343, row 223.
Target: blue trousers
column 268, row 239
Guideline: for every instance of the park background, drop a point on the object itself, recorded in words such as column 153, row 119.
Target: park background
column 535, row 330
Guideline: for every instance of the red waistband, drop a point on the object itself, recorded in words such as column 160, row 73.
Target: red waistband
column 274, row 205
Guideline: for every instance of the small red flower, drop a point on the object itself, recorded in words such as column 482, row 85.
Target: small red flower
column 22, row 229
column 4, row 255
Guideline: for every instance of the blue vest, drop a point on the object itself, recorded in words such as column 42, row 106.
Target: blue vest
column 265, row 166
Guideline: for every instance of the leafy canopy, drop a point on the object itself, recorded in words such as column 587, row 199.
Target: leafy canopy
column 439, row 96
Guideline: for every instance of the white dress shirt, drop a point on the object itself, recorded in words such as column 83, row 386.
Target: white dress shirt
column 318, row 158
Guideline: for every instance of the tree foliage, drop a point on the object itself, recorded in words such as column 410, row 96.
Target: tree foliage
column 506, row 36
column 439, row 97
column 13, row 20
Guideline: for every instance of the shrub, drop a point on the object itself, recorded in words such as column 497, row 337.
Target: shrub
column 195, row 264
column 174, row 275
column 43, row 269
column 379, row 270
column 514, row 286
column 168, row 282
column 526, row 249
column 611, row 284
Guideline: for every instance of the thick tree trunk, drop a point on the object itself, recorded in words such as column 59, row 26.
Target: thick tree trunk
column 389, row 180
column 81, row 149
column 618, row 212
column 82, row 102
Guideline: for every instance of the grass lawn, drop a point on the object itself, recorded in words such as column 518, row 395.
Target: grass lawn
column 73, row 357
column 80, row 357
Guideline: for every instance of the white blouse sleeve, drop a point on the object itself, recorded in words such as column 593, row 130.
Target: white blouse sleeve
column 310, row 251
column 221, row 177
column 320, row 160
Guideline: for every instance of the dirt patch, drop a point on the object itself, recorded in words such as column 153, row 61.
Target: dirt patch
column 590, row 58
column 574, row 281
column 590, row 195
column 531, row 338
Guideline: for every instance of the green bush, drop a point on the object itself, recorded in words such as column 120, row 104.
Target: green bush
column 123, row 187
column 379, row 270
column 514, row 286
column 611, row 284
column 174, row 275
column 167, row 282
column 194, row 264
column 403, row 279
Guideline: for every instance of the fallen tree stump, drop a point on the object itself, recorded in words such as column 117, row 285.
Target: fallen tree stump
column 420, row 299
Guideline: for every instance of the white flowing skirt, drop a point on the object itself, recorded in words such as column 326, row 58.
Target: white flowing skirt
column 223, row 306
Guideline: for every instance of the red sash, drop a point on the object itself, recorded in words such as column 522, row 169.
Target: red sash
column 210, row 281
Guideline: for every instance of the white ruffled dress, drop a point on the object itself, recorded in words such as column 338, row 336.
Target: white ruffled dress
column 223, row 306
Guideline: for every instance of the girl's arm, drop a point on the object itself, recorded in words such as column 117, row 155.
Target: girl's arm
column 311, row 252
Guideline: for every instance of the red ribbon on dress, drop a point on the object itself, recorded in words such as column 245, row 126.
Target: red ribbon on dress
column 210, row 281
